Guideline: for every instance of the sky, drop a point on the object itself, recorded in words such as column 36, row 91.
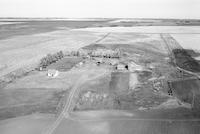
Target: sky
column 181, row 9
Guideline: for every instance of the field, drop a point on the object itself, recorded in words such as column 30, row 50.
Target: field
column 188, row 41
column 65, row 64
column 186, row 61
column 146, row 29
column 18, row 40
column 93, row 89
column 38, row 93
column 11, row 28
column 186, row 90
column 30, row 124
column 123, row 122
column 17, row 52
column 145, row 50
column 35, row 92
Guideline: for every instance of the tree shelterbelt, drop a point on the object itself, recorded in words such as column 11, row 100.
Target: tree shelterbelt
column 50, row 58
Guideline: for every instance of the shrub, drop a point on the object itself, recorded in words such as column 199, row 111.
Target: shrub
column 60, row 55
column 50, row 58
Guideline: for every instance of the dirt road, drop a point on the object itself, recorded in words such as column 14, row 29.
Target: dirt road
column 68, row 105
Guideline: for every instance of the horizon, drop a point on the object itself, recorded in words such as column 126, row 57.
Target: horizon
column 157, row 9
column 95, row 18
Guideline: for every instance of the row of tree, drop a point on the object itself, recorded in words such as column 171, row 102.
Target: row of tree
column 106, row 53
column 50, row 58
column 96, row 53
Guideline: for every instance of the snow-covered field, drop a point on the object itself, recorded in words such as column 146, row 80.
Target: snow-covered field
column 145, row 29
column 187, row 36
column 133, row 20
column 53, row 19
column 129, row 38
column 6, row 23
column 188, row 41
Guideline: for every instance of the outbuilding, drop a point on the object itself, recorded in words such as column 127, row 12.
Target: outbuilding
column 99, row 61
column 52, row 73
column 113, row 62
column 121, row 66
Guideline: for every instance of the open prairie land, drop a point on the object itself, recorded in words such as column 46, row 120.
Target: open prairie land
column 21, row 51
column 32, row 124
column 188, row 41
column 93, row 88
column 146, row 29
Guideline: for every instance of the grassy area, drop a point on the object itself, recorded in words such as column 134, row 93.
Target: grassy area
column 186, row 90
column 20, row 102
column 35, row 93
column 65, row 64
column 30, row 124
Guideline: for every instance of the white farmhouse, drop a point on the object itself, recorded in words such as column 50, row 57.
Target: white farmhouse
column 52, row 73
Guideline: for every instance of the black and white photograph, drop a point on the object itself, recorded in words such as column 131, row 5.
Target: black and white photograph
column 99, row 66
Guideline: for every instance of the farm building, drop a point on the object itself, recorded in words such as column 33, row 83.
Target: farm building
column 52, row 73
column 131, row 66
column 99, row 60
column 121, row 66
